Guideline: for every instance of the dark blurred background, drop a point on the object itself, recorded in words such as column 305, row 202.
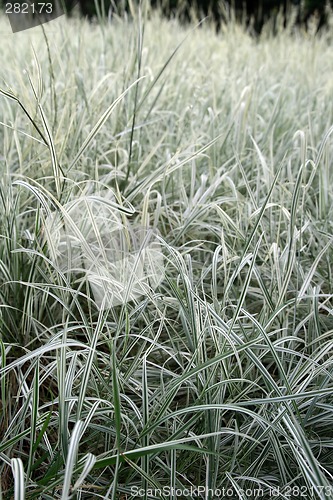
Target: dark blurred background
column 253, row 13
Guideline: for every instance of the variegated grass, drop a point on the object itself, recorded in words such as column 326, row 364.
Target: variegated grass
column 221, row 377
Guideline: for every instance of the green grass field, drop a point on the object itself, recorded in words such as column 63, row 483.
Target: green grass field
column 220, row 377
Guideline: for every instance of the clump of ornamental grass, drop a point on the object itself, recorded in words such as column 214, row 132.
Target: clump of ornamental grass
column 220, row 376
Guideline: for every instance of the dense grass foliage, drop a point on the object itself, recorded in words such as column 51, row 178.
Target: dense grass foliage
column 221, row 377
